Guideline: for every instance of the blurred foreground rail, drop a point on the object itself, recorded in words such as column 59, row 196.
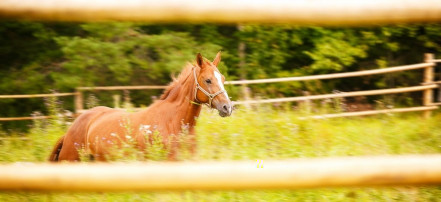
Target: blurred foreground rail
column 302, row 12
column 231, row 175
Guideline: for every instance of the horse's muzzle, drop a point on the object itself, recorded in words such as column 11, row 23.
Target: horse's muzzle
column 225, row 109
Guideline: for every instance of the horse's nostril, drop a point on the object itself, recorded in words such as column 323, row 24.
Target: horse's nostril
column 225, row 108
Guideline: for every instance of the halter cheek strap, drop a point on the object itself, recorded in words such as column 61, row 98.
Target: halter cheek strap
column 198, row 87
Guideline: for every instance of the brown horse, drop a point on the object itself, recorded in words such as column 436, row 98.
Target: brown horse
column 99, row 128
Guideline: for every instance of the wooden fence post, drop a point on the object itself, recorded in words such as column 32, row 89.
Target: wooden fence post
column 116, row 101
column 428, row 79
column 243, row 71
column 78, row 101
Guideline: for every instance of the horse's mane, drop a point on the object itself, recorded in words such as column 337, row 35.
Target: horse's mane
column 179, row 81
column 175, row 86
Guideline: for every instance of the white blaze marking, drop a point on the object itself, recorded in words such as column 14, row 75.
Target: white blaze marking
column 219, row 81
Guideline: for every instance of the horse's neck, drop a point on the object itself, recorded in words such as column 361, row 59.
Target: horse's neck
column 181, row 99
column 188, row 110
column 190, row 117
column 184, row 116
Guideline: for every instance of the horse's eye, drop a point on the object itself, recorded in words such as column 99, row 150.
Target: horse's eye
column 208, row 81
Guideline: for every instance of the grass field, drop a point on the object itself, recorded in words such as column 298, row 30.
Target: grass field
column 264, row 134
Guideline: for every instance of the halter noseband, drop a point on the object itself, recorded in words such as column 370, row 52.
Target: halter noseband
column 210, row 96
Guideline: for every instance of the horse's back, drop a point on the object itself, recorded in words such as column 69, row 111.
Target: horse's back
column 106, row 130
column 76, row 136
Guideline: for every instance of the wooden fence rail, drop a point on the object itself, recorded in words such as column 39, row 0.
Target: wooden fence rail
column 36, row 95
column 32, row 96
column 428, row 85
column 372, row 112
column 335, row 75
column 23, row 118
column 232, row 175
column 339, row 95
column 303, row 12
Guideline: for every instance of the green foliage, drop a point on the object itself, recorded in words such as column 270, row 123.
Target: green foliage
column 336, row 50
column 123, row 53
column 266, row 48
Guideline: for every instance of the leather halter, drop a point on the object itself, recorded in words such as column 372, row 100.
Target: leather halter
column 198, row 87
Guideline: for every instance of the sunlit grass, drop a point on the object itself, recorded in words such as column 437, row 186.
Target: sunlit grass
column 281, row 134
column 264, row 133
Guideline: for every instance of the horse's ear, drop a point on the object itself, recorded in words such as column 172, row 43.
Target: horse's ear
column 199, row 60
column 217, row 59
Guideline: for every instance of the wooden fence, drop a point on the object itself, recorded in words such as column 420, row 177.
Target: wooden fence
column 317, row 12
column 427, row 87
column 32, row 96
column 218, row 175
column 302, row 173
column 428, row 84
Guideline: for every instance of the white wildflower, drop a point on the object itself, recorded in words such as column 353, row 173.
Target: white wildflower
column 145, row 129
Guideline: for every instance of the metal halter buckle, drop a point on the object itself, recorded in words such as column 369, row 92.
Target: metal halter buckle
column 209, row 95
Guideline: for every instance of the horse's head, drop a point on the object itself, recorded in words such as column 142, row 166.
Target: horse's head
column 210, row 86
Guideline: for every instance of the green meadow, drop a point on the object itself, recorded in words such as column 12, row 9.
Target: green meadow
column 260, row 133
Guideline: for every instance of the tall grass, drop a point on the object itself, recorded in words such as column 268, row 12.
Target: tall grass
column 261, row 133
